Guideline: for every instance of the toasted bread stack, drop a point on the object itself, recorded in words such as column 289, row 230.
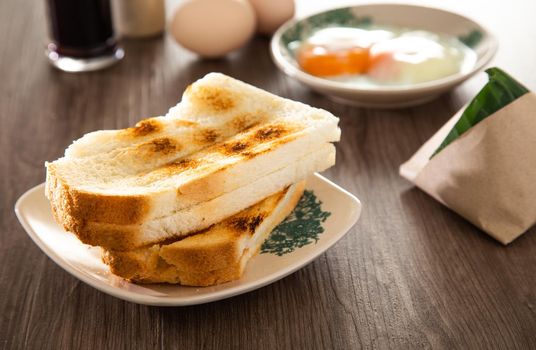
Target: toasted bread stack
column 189, row 197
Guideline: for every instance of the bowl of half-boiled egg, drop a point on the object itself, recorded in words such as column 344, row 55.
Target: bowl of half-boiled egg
column 382, row 55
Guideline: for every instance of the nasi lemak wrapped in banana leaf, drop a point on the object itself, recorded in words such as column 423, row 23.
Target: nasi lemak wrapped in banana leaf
column 482, row 162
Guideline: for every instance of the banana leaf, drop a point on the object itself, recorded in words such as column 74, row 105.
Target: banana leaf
column 500, row 90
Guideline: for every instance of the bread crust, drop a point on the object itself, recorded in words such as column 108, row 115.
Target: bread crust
column 198, row 260
column 72, row 204
column 74, row 210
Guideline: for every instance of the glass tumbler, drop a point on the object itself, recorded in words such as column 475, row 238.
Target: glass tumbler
column 82, row 35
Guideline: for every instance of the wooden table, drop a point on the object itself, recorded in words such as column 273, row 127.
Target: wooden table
column 410, row 274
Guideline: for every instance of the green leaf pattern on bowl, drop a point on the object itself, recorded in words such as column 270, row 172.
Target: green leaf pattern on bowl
column 302, row 227
column 339, row 17
column 346, row 17
column 472, row 38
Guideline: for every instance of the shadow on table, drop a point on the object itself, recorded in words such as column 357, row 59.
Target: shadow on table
column 456, row 252
column 420, row 207
column 448, row 226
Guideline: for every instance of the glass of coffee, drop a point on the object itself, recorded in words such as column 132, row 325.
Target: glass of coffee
column 82, row 35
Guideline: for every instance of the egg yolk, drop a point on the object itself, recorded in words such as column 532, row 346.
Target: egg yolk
column 381, row 56
column 319, row 61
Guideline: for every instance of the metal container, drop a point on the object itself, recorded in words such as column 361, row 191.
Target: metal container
column 139, row 18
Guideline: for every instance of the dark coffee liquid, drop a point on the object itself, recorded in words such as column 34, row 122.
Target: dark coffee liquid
column 81, row 28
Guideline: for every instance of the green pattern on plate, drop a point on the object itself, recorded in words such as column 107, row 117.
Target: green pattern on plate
column 335, row 18
column 303, row 226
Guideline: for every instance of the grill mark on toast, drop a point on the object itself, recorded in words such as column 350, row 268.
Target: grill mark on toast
column 164, row 145
column 245, row 121
column 213, row 98
column 169, row 169
column 145, row 127
column 246, row 224
column 152, row 126
column 254, row 222
column 271, row 131
column 275, row 133
column 240, row 122
column 233, row 148
column 208, row 136
column 183, row 164
column 254, row 153
column 240, row 224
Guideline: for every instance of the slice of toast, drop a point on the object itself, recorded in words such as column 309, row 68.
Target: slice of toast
column 216, row 255
column 232, row 133
column 224, row 135
column 202, row 215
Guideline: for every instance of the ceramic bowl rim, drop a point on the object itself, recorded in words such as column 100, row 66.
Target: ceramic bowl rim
column 437, row 84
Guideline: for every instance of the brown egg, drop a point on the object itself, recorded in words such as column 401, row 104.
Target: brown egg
column 213, row 28
column 271, row 14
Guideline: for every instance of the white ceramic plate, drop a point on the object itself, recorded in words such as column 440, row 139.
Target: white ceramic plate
column 480, row 40
column 83, row 261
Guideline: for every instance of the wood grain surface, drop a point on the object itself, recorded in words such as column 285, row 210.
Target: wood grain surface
column 410, row 274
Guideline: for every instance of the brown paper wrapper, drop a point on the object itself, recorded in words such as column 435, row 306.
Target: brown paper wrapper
column 488, row 174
